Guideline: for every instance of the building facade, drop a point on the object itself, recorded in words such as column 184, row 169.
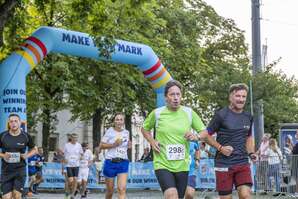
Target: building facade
column 84, row 130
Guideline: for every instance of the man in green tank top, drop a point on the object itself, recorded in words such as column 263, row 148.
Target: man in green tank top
column 173, row 124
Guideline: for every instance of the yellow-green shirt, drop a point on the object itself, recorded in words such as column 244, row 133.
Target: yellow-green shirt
column 171, row 128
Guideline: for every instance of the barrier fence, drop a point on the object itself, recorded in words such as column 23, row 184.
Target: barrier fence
column 268, row 177
column 277, row 174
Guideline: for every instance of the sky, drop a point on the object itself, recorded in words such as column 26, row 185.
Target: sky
column 279, row 28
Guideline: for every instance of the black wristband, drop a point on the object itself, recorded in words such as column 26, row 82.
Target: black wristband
column 249, row 155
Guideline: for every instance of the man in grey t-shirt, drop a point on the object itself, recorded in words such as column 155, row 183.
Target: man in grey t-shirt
column 233, row 128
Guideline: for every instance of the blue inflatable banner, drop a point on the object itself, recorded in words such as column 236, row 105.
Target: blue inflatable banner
column 45, row 40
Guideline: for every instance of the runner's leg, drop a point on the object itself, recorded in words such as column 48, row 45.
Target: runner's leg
column 167, row 183
column 109, row 187
column 121, row 185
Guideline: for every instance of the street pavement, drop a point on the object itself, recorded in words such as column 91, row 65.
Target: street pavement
column 151, row 194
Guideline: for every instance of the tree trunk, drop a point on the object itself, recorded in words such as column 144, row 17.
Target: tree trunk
column 46, row 126
column 96, row 130
column 5, row 10
column 128, row 127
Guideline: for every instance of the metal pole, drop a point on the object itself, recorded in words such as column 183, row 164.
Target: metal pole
column 251, row 98
column 257, row 68
column 252, row 108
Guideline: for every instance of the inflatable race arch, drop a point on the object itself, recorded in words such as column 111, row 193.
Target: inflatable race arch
column 14, row 69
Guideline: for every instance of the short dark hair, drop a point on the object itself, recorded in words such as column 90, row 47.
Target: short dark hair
column 74, row 135
column 14, row 115
column 172, row 83
column 238, row 87
column 68, row 137
column 84, row 144
column 118, row 113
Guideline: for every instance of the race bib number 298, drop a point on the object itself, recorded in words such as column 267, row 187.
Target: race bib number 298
column 175, row 151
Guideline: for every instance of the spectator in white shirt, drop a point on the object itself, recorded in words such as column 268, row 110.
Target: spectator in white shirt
column 274, row 160
column 262, row 164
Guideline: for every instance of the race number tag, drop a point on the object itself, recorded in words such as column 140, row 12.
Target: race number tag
column 175, row 151
column 32, row 163
column 14, row 158
column 221, row 169
column 73, row 159
column 121, row 152
column 84, row 163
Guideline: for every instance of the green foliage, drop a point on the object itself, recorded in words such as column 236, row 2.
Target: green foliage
column 203, row 50
column 279, row 95
column 46, row 88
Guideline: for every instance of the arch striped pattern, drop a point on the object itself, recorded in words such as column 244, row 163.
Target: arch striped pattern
column 33, row 51
column 157, row 75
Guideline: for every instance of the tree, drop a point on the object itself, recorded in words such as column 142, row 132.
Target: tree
column 45, row 93
column 279, row 95
column 111, row 87
column 48, row 81
column 204, row 51
column 6, row 11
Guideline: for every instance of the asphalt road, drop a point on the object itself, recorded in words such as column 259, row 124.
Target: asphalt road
column 152, row 194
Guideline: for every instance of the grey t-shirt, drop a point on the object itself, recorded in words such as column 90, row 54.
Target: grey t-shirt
column 232, row 129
